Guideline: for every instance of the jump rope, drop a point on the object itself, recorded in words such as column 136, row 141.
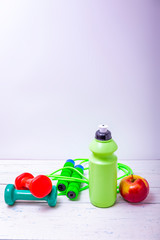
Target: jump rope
column 78, row 176
column 72, row 178
column 69, row 183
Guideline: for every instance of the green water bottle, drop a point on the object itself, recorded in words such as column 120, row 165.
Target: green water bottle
column 103, row 169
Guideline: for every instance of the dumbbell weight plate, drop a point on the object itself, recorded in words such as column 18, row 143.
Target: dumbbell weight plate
column 52, row 197
column 18, row 184
column 9, row 194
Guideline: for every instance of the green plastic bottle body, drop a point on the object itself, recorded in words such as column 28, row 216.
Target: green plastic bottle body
column 103, row 173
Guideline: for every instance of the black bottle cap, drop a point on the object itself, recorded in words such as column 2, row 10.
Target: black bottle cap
column 103, row 134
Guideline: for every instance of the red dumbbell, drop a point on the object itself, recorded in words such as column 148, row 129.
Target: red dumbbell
column 39, row 186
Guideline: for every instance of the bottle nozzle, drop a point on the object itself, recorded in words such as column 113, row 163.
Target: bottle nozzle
column 103, row 128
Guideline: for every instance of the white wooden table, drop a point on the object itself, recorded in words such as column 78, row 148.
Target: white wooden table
column 79, row 219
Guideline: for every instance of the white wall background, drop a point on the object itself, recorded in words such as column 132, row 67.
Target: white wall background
column 67, row 66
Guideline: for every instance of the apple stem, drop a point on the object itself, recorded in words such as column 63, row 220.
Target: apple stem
column 132, row 178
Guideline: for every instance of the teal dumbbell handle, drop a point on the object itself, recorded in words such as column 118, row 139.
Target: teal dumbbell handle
column 74, row 187
column 11, row 195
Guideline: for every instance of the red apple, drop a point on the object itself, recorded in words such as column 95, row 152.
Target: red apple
column 134, row 188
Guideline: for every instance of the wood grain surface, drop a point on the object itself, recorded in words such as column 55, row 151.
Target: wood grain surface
column 79, row 219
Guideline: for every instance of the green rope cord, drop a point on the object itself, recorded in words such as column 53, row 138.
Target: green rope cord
column 69, row 179
column 126, row 169
column 74, row 169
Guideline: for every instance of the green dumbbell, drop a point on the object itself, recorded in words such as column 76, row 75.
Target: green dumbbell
column 11, row 195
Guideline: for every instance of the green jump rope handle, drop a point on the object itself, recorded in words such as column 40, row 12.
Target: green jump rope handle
column 73, row 188
column 11, row 195
column 62, row 185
